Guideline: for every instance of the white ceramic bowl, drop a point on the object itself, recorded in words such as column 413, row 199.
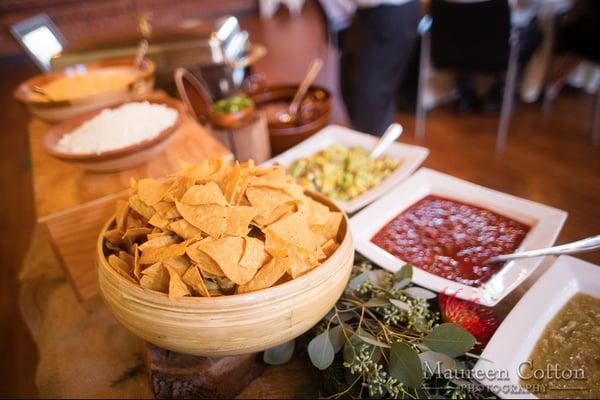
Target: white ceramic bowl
column 545, row 222
column 411, row 158
column 518, row 334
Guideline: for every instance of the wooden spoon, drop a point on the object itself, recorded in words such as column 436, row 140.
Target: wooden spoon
column 291, row 114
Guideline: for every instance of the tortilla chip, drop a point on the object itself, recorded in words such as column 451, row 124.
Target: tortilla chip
column 167, row 209
column 115, row 237
column 193, row 279
column 178, row 188
column 140, row 207
column 137, row 270
column 120, row 266
column 155, row 277
column 161, row 241
column 128, row 258
column 134, row 220
column 133, row 234
column 159, row 221
column 238, row 219
column 255, row 255
column 266, row 199
column 209, row 218
column 184, row 229
column 209, row 193
column 277, row 247
column 265, row 219
column 151, row 255
column 295, row 230
column 318, row 212
column 330, row 229
column 121, row 214
column 330, row 247
column 177, row 288
column 203, row 260
column 178, row 263
column 267, row 275
column 151, row 191
column 298, row 267
column 230, row 182
column 227, row 252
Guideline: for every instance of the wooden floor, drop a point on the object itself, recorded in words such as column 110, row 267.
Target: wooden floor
column 548, row 159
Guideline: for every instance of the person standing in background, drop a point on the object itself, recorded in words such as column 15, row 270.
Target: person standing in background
column 375, row 48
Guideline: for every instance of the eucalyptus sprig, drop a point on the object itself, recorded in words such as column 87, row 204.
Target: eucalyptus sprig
column 383, row 339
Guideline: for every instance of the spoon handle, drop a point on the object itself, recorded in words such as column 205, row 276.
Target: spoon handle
column 141, row 53
column 392, row 133
column 313, row 70
column 579, row 246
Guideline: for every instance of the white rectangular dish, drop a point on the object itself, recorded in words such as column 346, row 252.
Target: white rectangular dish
column 411, row 158
column 545, row 224
column 518, row 334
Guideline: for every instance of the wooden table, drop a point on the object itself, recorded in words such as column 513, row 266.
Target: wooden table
column 84, row 351
column 74, row 204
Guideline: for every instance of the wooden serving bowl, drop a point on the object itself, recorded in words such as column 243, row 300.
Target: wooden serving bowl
column 60, row 110
column 232, row 120
column 284, row 137
column 118, row 159
column 229, row 325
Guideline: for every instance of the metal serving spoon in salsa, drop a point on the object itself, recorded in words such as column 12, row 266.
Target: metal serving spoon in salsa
column 579, row 246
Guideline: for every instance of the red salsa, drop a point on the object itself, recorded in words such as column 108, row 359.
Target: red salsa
column 451, row 239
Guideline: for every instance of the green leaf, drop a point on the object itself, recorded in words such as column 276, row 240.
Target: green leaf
column 376, row 302
column 401, row 284
column 320, row 351
column 279, row 354
column 374, row 342
column 355, row 283
column 337, row 336
column 400, row 304
column 405, row 365
column 450, row 339
column 417, row 292
column 434, row 362
column 405, row 272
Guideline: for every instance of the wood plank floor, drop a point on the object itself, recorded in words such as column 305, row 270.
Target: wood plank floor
column 549, row 159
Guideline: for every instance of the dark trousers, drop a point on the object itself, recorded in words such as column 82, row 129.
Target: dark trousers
column 376, row 51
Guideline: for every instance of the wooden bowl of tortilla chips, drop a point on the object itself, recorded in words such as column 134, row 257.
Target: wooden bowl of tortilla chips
column 220, row 260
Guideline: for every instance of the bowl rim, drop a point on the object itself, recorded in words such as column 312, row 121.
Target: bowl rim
column 300, row 129
column 23, row 91
column 70, row 124
column 244, row 300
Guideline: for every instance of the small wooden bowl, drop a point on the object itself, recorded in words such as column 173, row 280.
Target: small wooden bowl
column 118, row 159
column 55, row 111
column 229, row 325
column 284, row 137
column 232, row 120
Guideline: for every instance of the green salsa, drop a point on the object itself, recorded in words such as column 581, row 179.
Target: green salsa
column 232, row 104
column 342, row 173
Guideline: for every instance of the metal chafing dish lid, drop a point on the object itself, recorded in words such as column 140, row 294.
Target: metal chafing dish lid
column 191, row 42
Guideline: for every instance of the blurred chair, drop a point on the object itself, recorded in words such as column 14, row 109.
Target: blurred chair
column 575, row 41
column 469, row 37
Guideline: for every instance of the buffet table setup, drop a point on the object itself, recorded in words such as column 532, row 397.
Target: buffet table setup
column 195, row 245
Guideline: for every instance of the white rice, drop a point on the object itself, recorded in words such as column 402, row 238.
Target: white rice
column 120, row 127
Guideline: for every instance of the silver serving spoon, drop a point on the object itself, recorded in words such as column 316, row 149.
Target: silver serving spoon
column 392, row 133
column 289, row 115
column 580, row 246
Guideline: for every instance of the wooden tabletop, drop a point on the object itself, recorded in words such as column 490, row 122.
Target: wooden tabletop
column 59, row 186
